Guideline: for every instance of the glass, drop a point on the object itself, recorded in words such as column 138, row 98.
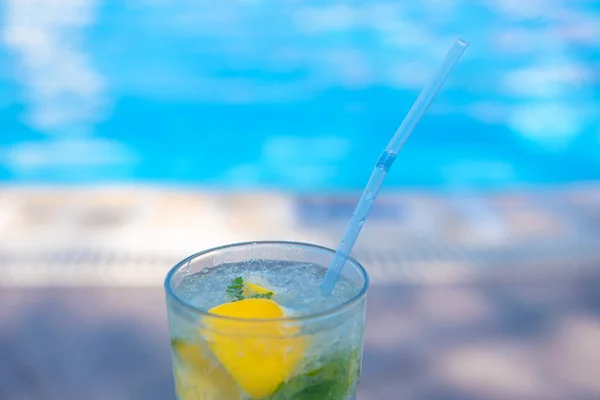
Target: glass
column 313, row 356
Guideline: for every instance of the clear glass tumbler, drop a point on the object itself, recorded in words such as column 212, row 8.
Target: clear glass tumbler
column 314, row 356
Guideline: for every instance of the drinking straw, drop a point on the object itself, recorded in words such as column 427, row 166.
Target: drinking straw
column 385, row 162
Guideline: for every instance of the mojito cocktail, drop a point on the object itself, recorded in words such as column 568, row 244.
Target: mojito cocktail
column 248, row 321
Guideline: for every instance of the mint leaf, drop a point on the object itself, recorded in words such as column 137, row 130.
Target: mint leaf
column 332, row 381
column 261, row 295
column 236, row 289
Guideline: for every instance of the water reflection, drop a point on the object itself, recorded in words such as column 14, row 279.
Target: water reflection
column 192, row 91
column 59, row 83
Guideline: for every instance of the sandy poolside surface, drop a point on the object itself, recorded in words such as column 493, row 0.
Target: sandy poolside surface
column 133, row 235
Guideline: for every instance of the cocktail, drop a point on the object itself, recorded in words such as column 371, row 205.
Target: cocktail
column 248, row 321
column 280, row 320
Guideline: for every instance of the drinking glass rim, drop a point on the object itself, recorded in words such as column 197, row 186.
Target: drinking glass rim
column 340, row 308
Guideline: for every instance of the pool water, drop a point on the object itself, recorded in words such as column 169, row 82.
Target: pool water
column 297, row 96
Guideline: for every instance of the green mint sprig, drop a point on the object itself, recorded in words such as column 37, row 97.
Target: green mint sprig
column 333, row 380
column 236, row 291
column 267, row 295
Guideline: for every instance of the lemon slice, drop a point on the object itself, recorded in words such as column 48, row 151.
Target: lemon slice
column 258, row 355
column 196, row 377
column 252, row 289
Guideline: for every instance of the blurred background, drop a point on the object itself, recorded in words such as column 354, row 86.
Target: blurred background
column 136, row 132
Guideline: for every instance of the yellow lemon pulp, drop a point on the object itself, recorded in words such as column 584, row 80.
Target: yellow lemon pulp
column 258, row 355
column 253, row 288
column 197, row 377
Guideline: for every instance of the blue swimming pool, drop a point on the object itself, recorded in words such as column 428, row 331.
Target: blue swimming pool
column 297, row 95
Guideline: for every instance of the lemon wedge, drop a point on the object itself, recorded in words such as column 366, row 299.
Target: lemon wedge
column 197, row 377
column 261, row 355
column 251, row 289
